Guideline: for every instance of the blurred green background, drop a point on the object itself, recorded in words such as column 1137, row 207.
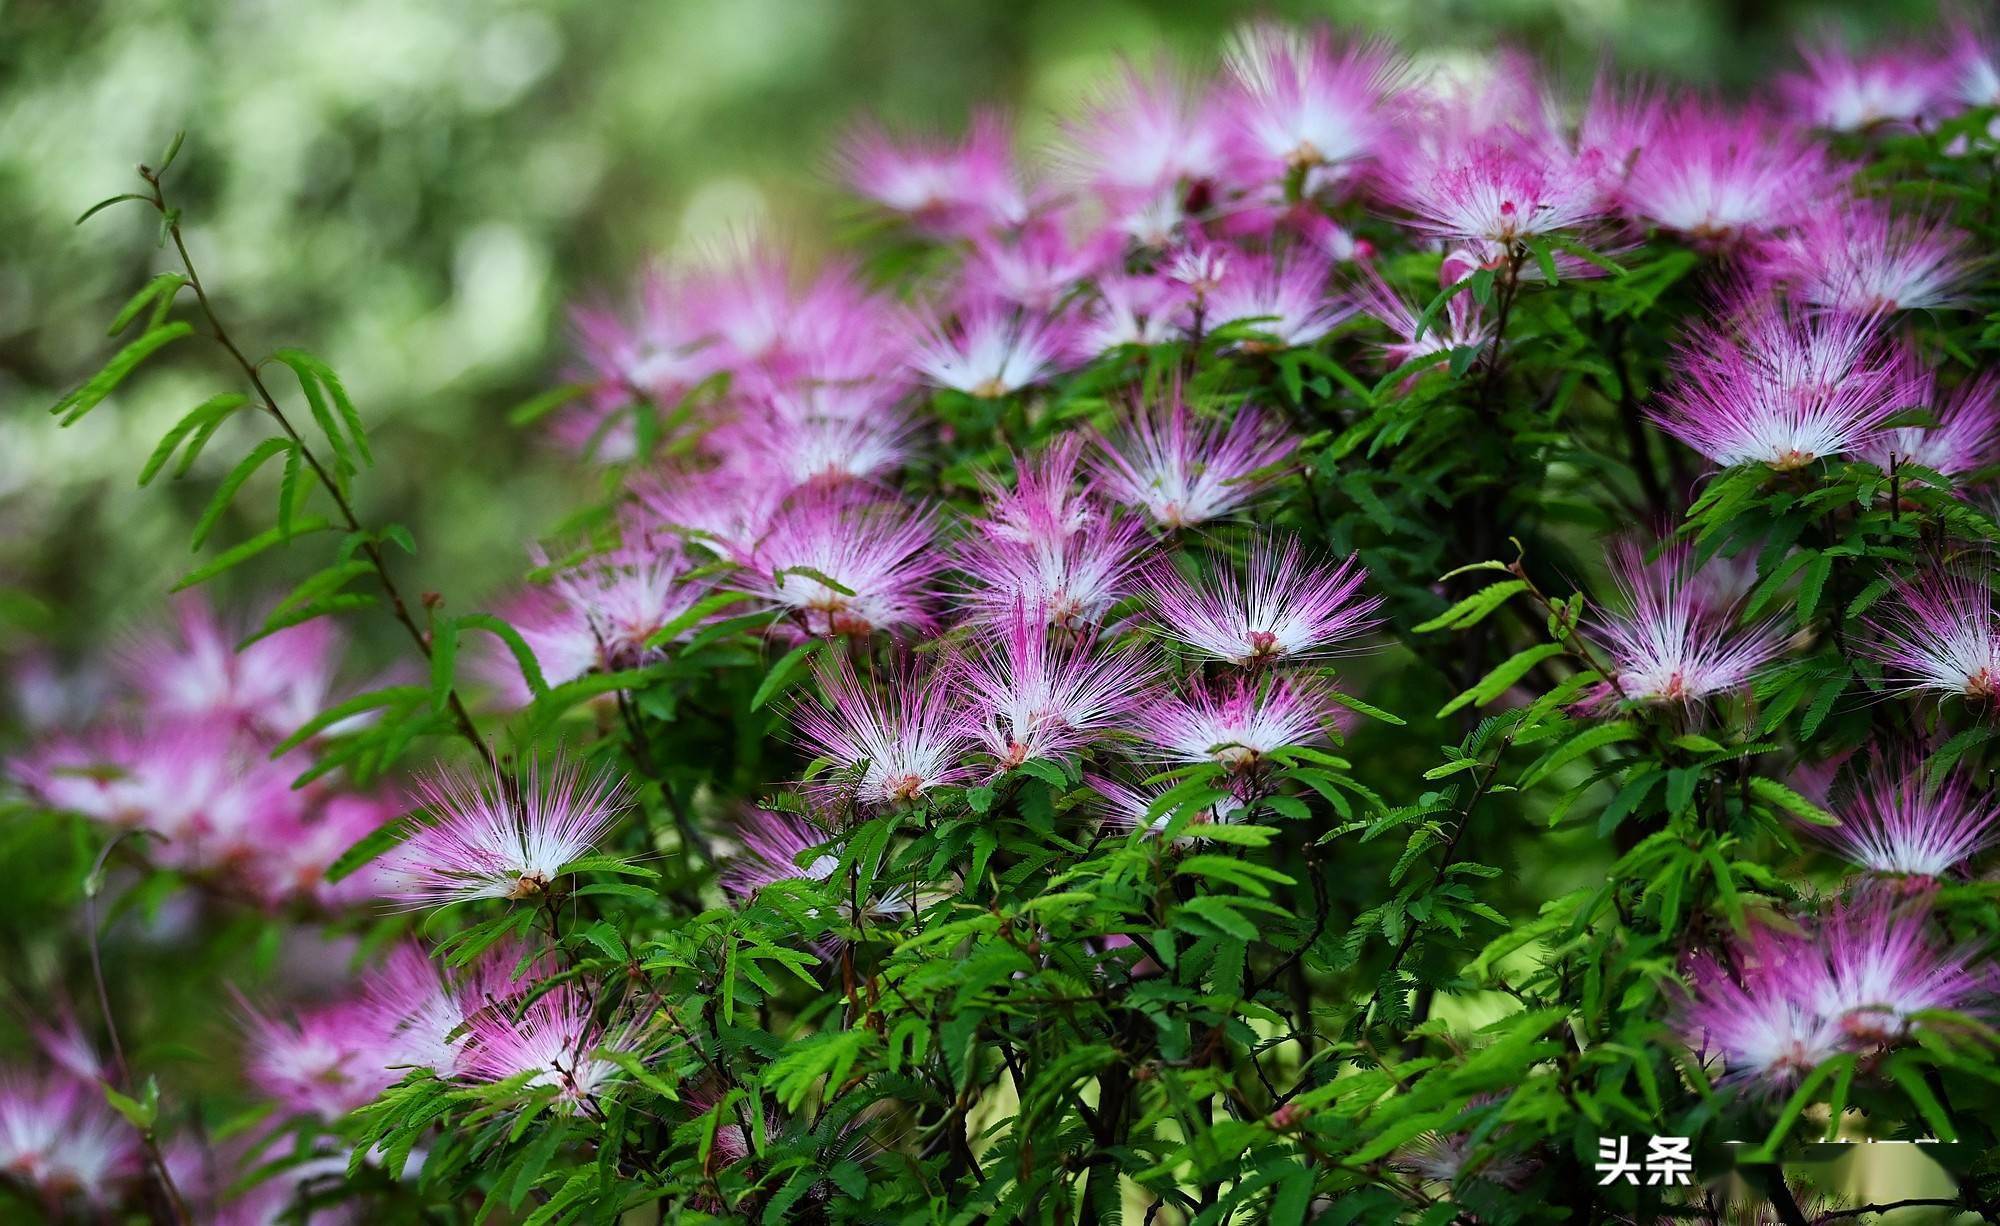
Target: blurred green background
column 415, row 188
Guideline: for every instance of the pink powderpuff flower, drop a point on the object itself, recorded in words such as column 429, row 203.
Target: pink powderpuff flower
column 1495, row 192
column 723, row 511
column 1767, row 1028
column 1617, row 128
column 945, row 188
column 1282, row 302
column 773, row 845
column 1182, row 472
column 209, row 793
column 1135, row 809
column 988, row 350
column 1047, row 502
column 59, row 1137
column 1239, row 722
column 294, row 848
column 1940, row 632
column 61, row 1039
column 1894, row 824
column 1972, row 67
column 1882, row 970
column 1718, row 176
column 1300, row 102
column 659, row 356
column 1336, row 242
column 1460, row 325
column 1036, row 268
column 841, row 563
column 602, row 613
column 1863, row 258
column 1137, row 310
column 1072, row 580
column 555, row 1042
column 1200, row 267
column 1148, row 136
column 270, row 687
column 491, row 836
column 1283, row 608
column 826, row 450
column 325, row 1062
column 898, row 736
column 1024, row 696
column 730, row 1145
column 1845, row 93
column 1670, row 643
column 1966, row 437
column 1779, row 388
column 421, row 1014
column 764, row 321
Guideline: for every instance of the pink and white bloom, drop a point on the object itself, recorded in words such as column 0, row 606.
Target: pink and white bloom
column 1670, row 643
column 788, row 447
column 1462, row 324
column 1718, row 175
column 1048, row 501
column 1855, row 980
column 1767, row 1029
column 776, row 847
column 840, row 562
column 1779, row 388
column 1940, row 633
column 1882, row 969
column 1973, row 68
column 898, row 737
column 555, row 1042
column 988, row 349
column 1894, row 824
column 1283, row 302
column 725, row 511
column 940, row 186
column 1843, row 92
column 1239, row 722
column 269, row 687
column 491, row 836
column 1300, row 101
column 774, row 844
column 1038, row 267
column 601, row 614
column 1147, row 136
column 1024, row 696
column 1863, row 258
column 420, row 1012
column 1136, row 310
column 1495, row 192
column 324, row 1062
column 1073, row 580
column 1966, row 437
column 59, row 1136
column 1182, row 472
column 659, row 355
column 1284, row 607
column 1136, row 809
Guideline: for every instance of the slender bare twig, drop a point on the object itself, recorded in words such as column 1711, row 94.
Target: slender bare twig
column 121, row 1072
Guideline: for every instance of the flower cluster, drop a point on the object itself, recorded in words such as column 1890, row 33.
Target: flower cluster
column 196, row 752
column 964, row 679
column 1860, row 978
